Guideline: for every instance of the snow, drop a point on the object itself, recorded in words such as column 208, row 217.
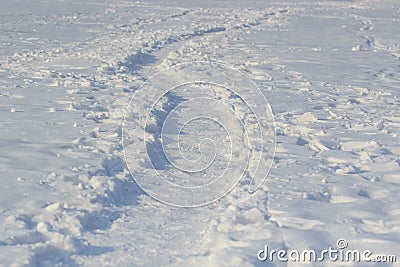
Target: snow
column 110, row 109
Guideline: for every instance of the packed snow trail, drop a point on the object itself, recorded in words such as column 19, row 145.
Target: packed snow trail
column 328, row 69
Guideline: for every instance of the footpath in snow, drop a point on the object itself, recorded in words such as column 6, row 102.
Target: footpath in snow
column 106, row 106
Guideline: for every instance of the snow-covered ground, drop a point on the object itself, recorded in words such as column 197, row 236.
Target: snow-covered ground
column 73, row 170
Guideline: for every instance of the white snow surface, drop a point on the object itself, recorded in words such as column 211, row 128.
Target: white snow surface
column 68, row 69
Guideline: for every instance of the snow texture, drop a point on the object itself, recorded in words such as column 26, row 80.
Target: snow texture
column 79, row 165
